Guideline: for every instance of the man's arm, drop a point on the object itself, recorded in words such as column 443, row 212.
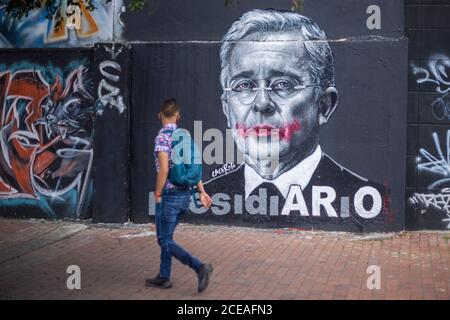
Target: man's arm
column 163, row 173
column 205, row 199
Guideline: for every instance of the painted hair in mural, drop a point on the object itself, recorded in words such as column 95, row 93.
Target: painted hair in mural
column 46, row 136
column 277, row 76
column 48, row 27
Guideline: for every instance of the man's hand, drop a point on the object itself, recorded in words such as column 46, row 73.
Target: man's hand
column 157, row 197
column 205, row 199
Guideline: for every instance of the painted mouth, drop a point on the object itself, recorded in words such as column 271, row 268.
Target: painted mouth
column 284, row 132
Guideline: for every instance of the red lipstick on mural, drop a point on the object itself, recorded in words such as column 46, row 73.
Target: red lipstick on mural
column 285, row 132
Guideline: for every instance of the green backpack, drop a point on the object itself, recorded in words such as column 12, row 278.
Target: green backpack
column 186, row 170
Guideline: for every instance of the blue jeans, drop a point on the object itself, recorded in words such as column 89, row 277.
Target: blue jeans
column 174, row 203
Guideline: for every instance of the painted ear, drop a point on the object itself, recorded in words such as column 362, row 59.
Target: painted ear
column 57, row 90
column 226, row 109
column 75, row 82
column 328, row 102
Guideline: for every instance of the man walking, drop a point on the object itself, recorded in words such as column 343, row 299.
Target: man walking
column 172, row 202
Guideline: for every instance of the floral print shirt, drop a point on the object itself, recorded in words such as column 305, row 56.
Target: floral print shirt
column 163, row 142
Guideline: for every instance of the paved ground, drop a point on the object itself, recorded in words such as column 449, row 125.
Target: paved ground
column 249, row 263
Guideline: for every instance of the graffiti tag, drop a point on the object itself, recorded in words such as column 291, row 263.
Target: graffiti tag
column 436, row 201
column 437, row 73
column 108, row 93
column 440, row 166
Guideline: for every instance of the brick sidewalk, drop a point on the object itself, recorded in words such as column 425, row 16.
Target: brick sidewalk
column 249, row 263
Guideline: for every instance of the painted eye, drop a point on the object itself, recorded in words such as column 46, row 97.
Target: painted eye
column 283, row 85
column 47, row 105
column 243, row 86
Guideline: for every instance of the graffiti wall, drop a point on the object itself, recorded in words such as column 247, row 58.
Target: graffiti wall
column 291, row 131
column 64, row 23
column 300, row 119
column 46, row 134
column 428, row 117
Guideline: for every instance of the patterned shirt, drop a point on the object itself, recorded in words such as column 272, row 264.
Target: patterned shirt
column 163, row 142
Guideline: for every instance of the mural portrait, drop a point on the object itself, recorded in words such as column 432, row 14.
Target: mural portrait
column 278, row 91
column 46, row 137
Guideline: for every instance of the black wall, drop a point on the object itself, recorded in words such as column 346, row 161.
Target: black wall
column 171, row 49
column 366, row 134
column 173, row 20
column 347, row 18
column 428, row 29
column 208, row 20
column 112, row 128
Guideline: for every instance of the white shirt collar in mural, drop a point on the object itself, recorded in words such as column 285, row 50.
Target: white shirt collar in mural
column 300, row 175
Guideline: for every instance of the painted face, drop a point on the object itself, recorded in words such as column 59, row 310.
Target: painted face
column 284, row 109
column 42, row 129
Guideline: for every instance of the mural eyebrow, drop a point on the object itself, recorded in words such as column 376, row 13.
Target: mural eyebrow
column 243, row 74
column 295, row 75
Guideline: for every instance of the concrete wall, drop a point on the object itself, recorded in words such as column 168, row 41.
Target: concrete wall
column 428, row 29
column 171, row 49
column 365, row 135
column 112, row 132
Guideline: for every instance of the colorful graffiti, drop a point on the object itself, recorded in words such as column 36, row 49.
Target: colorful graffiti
column 103, row 23
column 46, row 137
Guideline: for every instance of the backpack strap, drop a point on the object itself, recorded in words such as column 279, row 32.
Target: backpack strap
column 192, row 190
column 168, row 131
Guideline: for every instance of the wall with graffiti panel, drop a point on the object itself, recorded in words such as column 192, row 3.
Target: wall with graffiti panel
column 428, row 160
column 344, row 142
column 64, row 23
column 46, row 134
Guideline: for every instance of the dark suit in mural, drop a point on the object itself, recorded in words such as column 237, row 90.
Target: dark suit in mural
column 346, row 192
column 278, row 82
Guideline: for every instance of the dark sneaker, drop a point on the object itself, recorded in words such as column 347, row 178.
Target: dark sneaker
column 204, row 273
column 158, row 282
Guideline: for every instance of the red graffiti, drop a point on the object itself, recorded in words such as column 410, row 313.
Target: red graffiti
column 389, row 214
column 40, row 126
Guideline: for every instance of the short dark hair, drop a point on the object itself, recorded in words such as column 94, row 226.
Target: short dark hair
column 169, row 108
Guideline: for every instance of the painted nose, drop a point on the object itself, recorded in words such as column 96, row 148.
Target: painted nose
column 263, row 103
